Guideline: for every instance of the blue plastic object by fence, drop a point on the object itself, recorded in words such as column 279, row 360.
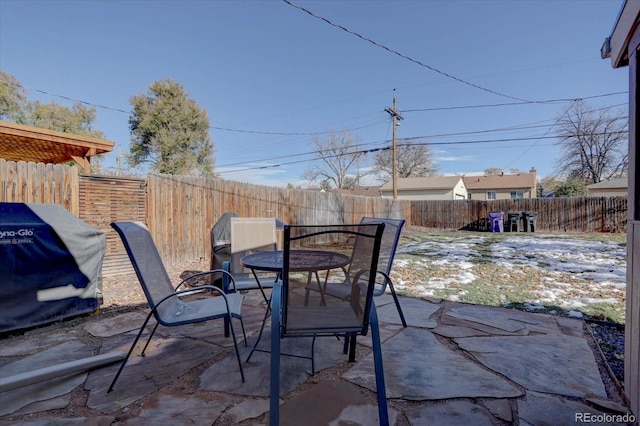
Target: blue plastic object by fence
column 497, row 221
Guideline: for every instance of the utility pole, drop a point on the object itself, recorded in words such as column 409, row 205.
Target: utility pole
column 118, row 161
column 396, row 117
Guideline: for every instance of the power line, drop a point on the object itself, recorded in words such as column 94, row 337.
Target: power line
column 257, row 132
column 395, row 52
column 356, row 128
column 372, row 150
column 536, row 139
column 566, row 111
column 548, row 101
column 65, row 97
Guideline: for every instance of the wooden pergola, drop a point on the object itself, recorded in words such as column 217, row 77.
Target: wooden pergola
column 33, row 144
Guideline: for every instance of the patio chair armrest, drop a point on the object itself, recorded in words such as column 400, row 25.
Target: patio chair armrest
column 226, row 275
column 380, row 289
column 190, row 291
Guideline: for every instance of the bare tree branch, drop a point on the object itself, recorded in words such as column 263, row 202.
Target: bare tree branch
column 593, row 143
column 414, row 160
column 338, row 160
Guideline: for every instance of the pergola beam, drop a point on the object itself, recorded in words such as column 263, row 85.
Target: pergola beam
column 33, row 144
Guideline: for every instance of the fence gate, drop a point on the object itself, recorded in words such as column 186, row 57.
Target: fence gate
column 109, row 199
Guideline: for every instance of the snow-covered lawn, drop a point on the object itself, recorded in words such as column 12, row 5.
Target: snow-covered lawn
column 579, row 273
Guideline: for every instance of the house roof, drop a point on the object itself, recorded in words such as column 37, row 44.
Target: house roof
column 616, row 45
column 616, row 183
column 423, row 183
column 504, row 181
column 26, row 143
column 367, row 191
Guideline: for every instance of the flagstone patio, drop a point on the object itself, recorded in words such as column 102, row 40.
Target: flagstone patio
column 453, row 364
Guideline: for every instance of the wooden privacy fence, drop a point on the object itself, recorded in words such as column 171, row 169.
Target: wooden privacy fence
column 575, row 214
column 180, row 211
column 109, row 199
column 22, row 182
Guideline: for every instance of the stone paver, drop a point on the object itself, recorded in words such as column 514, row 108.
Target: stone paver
column 164, row 362
column 539, row 409
column 113, row 326
column 433, row 372
column 417, row 313
column 339, row 403
column 451, row 413
column 567, row 359
column 509, row 320
column 49, row 390
column 180, row 409
column 454, row 364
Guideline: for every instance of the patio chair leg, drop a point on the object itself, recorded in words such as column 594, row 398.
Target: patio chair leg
column 149, row 339
column 235, row 345
column 264, row 321
column 313, row 360
column 381, row 390
column 135, row 341
column 352, row 348
column 395, row 299
column 274, row 385
column 243, row 332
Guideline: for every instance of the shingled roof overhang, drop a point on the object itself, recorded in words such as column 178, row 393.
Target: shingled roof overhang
column 33, row 144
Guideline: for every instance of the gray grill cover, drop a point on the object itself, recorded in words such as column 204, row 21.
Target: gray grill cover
column 50, row 265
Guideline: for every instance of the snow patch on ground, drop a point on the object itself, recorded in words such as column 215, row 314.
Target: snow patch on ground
column 591, row 265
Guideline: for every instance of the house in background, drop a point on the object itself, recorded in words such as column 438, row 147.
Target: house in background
column 427, row 188
column 617, row 187
column 502, row 187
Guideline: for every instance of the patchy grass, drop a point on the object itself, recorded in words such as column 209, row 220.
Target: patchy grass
column 578, row 272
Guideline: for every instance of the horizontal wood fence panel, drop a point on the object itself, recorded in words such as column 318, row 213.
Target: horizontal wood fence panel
column 108, row 199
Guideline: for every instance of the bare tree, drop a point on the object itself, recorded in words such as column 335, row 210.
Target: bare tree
column 338, row 162
column 493, row 171
column 593, row 142
column 414, row 160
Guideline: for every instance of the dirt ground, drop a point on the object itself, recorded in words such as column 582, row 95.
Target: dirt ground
column 124, row 291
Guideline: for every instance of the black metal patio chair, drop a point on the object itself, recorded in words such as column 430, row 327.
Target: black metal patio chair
column 168, row 304
column 293, row 317
column 388, row 246
column 249, row 235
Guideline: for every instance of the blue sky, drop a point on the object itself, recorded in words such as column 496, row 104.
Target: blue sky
column 272, row 77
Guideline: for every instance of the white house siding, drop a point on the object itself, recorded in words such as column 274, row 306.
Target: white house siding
column 421, row 195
